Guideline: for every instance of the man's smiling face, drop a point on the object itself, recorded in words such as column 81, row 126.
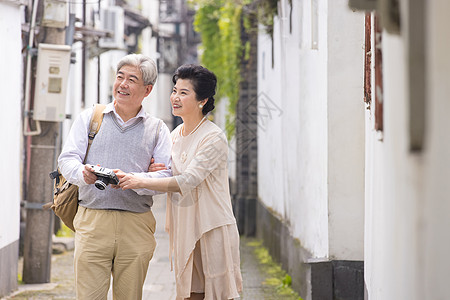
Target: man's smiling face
column 129, row 88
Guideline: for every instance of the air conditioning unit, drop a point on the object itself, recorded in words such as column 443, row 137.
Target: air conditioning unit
column 112, row 21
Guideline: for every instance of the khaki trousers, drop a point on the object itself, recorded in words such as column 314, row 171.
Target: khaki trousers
column 111, row 242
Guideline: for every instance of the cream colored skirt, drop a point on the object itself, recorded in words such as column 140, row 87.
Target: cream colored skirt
column 214, row 266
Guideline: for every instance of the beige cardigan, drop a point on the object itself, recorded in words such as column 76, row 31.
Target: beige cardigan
column 199, row 164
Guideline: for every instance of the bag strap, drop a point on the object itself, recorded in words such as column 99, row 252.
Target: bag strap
column 94, row 126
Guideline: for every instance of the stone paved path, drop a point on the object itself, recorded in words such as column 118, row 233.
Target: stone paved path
column 160, row 282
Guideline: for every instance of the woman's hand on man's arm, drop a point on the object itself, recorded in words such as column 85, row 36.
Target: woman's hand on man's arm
column 154, row 167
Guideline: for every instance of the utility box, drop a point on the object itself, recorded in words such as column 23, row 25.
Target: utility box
column 56, row 14
column 51, row 82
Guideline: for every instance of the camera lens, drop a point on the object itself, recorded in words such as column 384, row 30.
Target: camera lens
column 101, row 183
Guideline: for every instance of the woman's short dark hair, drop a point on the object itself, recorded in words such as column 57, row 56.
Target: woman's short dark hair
column 203, row 81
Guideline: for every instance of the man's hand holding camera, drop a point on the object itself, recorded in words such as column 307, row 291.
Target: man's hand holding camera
column 102, row 177
column 88, row 174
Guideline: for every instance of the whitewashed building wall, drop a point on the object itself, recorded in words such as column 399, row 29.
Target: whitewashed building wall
column 321, row 117
column 12, row 140
column 157, row 103
column 407, row 193
column 311, row 142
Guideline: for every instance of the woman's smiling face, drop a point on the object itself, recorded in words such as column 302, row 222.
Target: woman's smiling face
column 184, row 99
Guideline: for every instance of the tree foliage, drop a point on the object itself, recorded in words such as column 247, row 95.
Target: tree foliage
column 219, row 24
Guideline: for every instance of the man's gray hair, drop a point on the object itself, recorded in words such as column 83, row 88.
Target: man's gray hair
column 146, row 65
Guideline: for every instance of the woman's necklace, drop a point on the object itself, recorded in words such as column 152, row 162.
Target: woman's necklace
column 184, row 154
column 198, row 125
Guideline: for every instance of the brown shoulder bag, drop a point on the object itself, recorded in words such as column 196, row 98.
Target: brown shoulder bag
column 65, row 194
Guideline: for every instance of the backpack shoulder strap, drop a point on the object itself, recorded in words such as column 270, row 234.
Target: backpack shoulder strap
column 94, row 126
column 96, row 121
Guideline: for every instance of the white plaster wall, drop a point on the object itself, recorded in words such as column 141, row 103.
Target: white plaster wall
column 159, row 99
column 312, row 141
column 345, row 132
column 436, row 202
column 74, row 95
column 292, row 146
column 10, row 116
column 158, row 102
column 270, row 166
column 219, row 117
column 73, row 99
column 385, row 165
column 394, row 190
column 406, row 231
column 91, row 82
column 108, row 65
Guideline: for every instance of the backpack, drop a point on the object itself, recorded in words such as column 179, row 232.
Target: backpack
column 65, row 194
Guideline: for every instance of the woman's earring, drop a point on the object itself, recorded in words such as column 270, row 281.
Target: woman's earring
column 200, row 105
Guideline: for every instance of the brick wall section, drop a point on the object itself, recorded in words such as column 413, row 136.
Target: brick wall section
column 246, row 188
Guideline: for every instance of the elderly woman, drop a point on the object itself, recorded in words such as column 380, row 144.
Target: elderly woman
column 203, row 232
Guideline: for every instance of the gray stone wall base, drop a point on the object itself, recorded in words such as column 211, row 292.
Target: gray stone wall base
column 337, row 280
column 9, row 256
column 245, row 213
column 311, row 278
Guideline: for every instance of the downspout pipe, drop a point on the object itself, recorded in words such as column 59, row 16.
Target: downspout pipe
column 28, row 76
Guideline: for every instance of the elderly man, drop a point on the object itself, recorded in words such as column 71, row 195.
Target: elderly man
column 115, row 228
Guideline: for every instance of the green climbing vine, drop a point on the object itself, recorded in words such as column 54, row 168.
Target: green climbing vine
column 218, row 22
column 222, row 51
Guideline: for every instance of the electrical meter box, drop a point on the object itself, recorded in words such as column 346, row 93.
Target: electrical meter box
column 51, row 82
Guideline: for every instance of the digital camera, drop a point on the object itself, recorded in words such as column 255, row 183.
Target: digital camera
column 105, row 176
